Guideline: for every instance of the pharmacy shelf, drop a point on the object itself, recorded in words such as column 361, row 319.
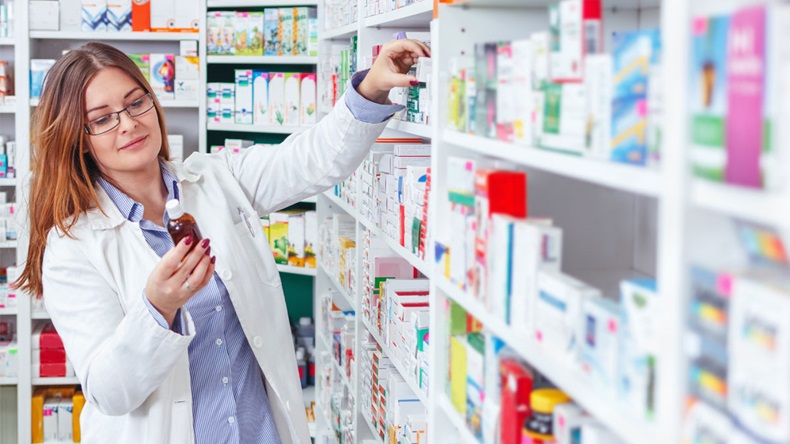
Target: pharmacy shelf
column 7, row 41
column 561, row 370
column 8, row 182
column 415, row 15
column 7, row 109
column 400, row 250
column 262, row 60
column 39, row 315
column 342, row 32
column 338, row 287
column 258, row 3
column 342, row 374
column 128, row 36
column 410, row 379
column 8, row 244
column 372, row 429
column 56, row 381
column 308, row 394
column 296, row 270
column 765, row 207
column 465, row 434
column 416, row 129
column 8, row 312
column 9, row 380
column 629, row 178
column 542, row 4
column 271, row 129
column 345, row 206
column 163, row 103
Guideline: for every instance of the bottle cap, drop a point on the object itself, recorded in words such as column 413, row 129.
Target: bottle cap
column 173, row 208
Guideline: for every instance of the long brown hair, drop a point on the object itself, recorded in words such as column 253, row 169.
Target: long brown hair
column 63, row 171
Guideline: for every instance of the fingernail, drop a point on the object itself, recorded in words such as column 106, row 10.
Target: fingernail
column 214, row 259
column 205, row 243
column 208, row 250
column 188, row 241
column 414, row 82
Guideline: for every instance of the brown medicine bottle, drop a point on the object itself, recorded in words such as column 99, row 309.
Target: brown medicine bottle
column 181, row 224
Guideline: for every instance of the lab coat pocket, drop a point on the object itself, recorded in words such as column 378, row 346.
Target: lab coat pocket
column 181, row 422
column 254, row 246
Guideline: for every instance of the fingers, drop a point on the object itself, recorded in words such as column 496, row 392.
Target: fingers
column 416, row 48
column 201, row 250
column 202, row 273
column 404, row 80
column 171, row 260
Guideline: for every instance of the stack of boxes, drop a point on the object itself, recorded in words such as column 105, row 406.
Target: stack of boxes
column 293, row 237
column 376, row 7
column 339, row 13
column 565, row 96
column 115, row 15
column 263, row 98
column 56, row 415
column 331, row 230
column 172, row 77
column 291, row 31
column 49, row 356
column 512, row 264
column 337, row 70
column 7, row 17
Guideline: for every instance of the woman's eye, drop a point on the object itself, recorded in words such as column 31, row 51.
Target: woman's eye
column 136, row 104
column 102, row 120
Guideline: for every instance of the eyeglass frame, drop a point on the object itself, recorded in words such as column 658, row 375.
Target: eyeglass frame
column 118, row 115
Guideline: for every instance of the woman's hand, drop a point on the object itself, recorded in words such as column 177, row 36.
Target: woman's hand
column 390, row 68
column 178, row 276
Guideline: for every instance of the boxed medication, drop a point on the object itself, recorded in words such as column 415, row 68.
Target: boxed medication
column 70, row 15
column 176, row 143
column 227, row 102
column 278, row 236
column 271, row 31
column 38, row 72
column 188, row 48
column 244, row 97
column 260, row 98
column 249, row 33
column 576, row 29
column 285, row 31
column 143, row 61
column 119, row 15
column 187, row 79
column 44, row 15
column 599, row 333
column 163, row 76
column 292, row 102
column 558, row 306
column 94, row 15
column 296, row 238
column 277, row 98
column 639, row 345
column 598, row 91
column 307, row 99
column 141, row 15
column 175, row 16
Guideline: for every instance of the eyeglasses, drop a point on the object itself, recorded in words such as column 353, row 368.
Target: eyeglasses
column 109, row 122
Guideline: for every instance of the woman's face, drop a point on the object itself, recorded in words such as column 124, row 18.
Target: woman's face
column 133, row 146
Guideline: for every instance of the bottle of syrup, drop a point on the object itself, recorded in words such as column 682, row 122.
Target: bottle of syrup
column 181, row 224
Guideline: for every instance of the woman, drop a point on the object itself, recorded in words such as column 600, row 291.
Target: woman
column 172, row 345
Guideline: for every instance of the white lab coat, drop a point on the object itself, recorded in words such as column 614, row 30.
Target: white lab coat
column 135, row 374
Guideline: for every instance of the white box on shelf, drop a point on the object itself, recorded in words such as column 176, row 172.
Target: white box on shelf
column 51, row 419
column 175, row 15
column 187, row 80
column 292, row 101
column 307, row 107
column 44, row 15
column 558, row 307
column 65, row 416
column 188, row 48
column 244, row 97
column 71, row 15
column 176, row 143
column 260, row 98
column 163, row 73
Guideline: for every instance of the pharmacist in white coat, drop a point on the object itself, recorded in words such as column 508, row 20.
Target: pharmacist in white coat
column 190, row 342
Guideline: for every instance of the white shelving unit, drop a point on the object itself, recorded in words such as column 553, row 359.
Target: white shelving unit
column 258, row 3
column 116, row 36
column 296, row 270
column 260, row 60
column 270, row 129
column 7, row 41
column 371, row 31
column 56, row 381
column 7, row 109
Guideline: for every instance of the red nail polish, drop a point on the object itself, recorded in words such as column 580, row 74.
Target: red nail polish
column 414, row 82
column 208, row 251
column 214, row 259
column 188, row 241
column 205, row 243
